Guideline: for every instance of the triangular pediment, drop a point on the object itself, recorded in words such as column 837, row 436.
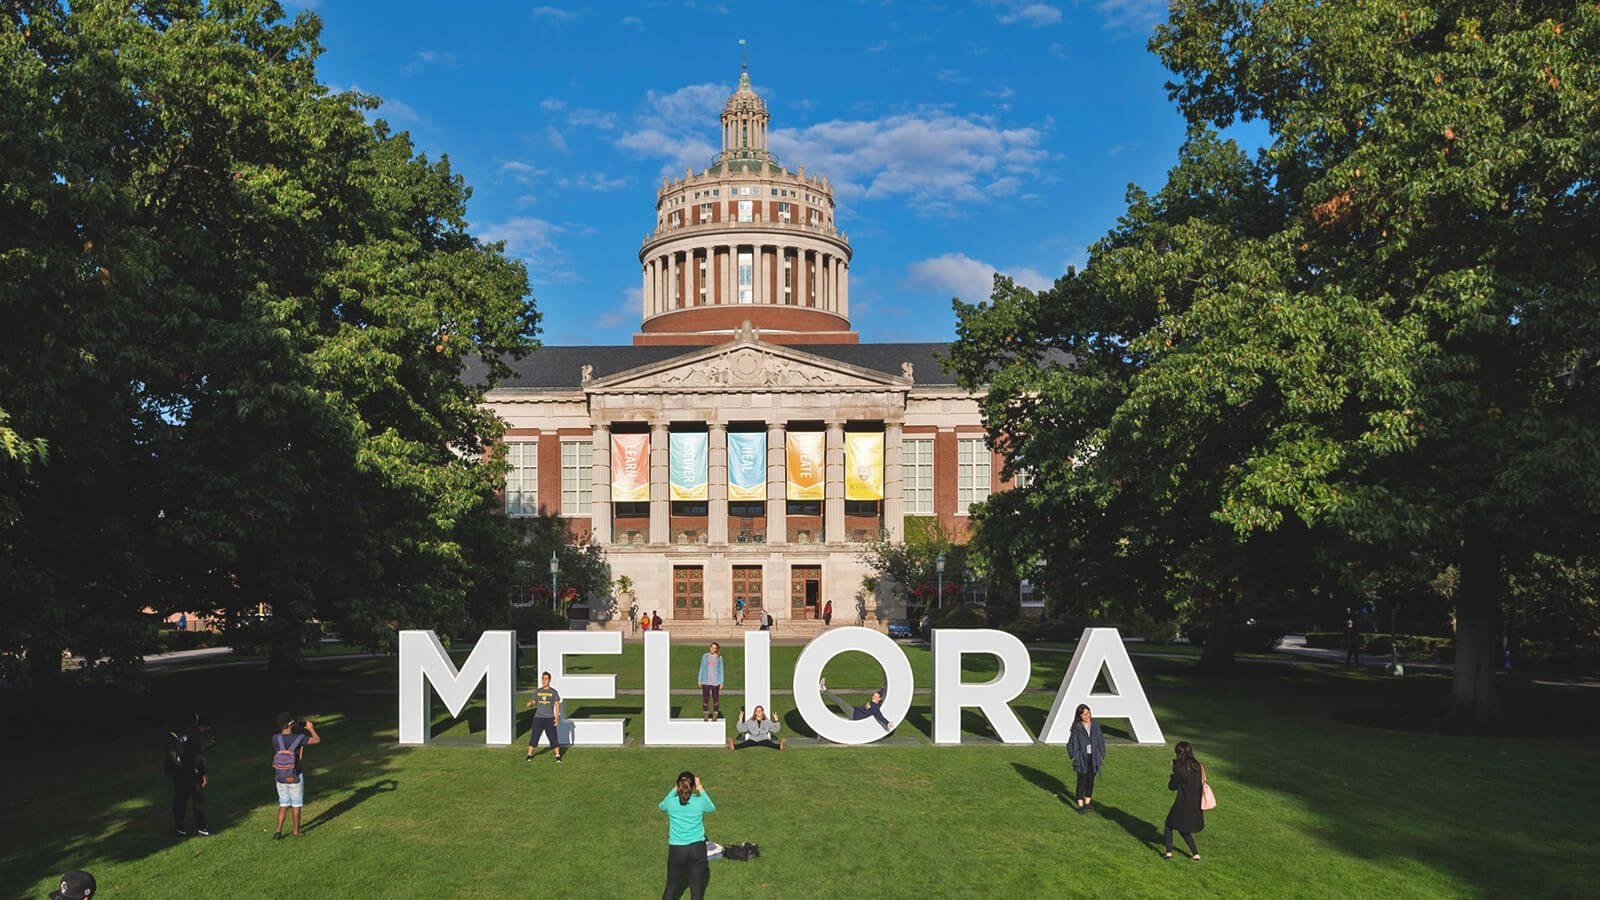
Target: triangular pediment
column 743, row 364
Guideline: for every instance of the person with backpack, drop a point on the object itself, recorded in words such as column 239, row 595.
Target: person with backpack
column 288, row 755
column 185, row 763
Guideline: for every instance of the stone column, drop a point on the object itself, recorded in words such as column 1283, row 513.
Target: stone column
column 802, row 286
column 844, row 290
column 660, row 511
column 717, row 506
column 777, row 485
column 833, row 485
column 824, row 281
column 761, row 275
column 727, row 274
column 644, row 291
column 600, row 504
column 894, row 498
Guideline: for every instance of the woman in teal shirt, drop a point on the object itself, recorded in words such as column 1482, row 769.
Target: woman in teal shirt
column 711, row 682
column 686, row 805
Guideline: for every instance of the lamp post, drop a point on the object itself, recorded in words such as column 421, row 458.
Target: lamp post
column 938, row 565
column 555, row 569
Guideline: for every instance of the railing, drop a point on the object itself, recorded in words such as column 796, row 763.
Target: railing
column 727, row 226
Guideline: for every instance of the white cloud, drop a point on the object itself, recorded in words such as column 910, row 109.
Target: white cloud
column 935, row 159
column 1131, row 15
column 397, row 111
column 551, row 104
column 554, row 14
column 1036, row 14
column 951, row 76
column 628, row 312
column 674, row 125
column 429, row 58
column 533, row 240
column 967, row 278
column 521, row 172
column 552, row 136
column 594, row 181
column 592, row 118
column 632, row 20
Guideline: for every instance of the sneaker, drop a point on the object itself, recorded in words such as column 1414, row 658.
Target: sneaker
column 558, row 759
column 180, row 832
column 822, row 684
column 203, row 832
column 277, row 835
column 528, row 758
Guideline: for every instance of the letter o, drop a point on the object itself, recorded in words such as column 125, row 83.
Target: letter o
column 808, row 672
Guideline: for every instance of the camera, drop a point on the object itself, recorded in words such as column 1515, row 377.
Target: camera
column 299, row 726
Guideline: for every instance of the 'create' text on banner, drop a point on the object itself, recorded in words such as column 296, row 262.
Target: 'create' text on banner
column 747, row 465
column 630, row 468
column 863, row 465
column 688, row 465
column 807, row 463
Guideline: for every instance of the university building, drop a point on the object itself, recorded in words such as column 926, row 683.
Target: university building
column 747, row 444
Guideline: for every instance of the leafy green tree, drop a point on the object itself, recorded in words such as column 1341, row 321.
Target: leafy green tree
column 1384, row 325
column 242, row 315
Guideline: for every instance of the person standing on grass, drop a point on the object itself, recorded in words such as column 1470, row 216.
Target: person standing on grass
column 1352, row 640
column 1086, row 747
column 288, row 757
column 186, row 762
column 686, row 805
column 711, row 677
column 827, row 614
column 757, row 731
column 1185, row 817
column 546, row 705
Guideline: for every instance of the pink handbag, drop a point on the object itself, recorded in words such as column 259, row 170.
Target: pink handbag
column 1208, row 800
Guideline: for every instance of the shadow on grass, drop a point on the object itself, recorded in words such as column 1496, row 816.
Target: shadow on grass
column 1044, row 781
column 361, row 795
column 1144, row 832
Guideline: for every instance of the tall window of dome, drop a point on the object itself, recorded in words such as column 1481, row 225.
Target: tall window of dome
column 705, row 281
column 783, row 213
column 746, row 210
column 747, row 278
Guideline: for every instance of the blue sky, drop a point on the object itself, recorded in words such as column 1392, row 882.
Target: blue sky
column 960, row 138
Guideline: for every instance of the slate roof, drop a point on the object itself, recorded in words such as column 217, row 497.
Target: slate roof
column 561, row 368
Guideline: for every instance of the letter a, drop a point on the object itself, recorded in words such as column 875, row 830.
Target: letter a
column 1096, row 648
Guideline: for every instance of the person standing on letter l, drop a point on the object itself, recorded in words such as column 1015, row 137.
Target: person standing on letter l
column 1087, row 747
column 546, row 703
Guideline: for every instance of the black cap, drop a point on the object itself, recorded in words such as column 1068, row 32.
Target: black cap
column 74, row 886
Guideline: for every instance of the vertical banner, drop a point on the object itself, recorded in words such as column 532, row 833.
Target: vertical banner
column 688, row 465
column 747, row 465
column 630, row 468
column 807, row 464
column 863, row 465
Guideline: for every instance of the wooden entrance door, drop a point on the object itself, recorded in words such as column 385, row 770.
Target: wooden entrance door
column 747, row 584
column 805, row 592
column 688, row 592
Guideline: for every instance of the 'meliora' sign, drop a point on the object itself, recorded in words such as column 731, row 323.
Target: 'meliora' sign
column 424, row 662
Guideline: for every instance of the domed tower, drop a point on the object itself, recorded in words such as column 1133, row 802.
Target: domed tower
column 745, row 240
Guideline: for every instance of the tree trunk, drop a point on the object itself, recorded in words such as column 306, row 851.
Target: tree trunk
column 44, row 670
column 1218, row 653
column 1473, row 695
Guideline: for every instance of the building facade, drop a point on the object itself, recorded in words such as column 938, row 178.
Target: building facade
column 747, row 444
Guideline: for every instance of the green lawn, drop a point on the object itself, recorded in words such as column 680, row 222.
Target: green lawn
column 1313, row 802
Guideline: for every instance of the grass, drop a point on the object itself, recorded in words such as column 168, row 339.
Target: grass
column 1314, row 802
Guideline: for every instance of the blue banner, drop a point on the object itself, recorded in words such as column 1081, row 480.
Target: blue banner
column 747, row 465
column 688, row 465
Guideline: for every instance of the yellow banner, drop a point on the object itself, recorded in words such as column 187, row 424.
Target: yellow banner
column 863, row 465
column 807, row 463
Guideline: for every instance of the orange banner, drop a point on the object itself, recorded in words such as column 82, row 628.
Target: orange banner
column 807, row 464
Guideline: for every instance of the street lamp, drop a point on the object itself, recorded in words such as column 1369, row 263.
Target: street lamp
column 938, row 565
column 555, row 569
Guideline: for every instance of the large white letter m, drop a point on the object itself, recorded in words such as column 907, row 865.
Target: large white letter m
column 424, row 662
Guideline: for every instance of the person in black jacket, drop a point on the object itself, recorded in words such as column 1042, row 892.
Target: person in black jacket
column 1086, row 747
column 1185, row 816
column 186, row 763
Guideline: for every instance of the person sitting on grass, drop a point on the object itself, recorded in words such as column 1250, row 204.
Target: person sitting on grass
column 873, row 708
column 757, row 731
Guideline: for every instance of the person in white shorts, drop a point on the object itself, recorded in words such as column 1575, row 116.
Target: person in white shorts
column 288, row 752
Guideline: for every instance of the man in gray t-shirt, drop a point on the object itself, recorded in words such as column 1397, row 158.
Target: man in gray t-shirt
column 546, row 706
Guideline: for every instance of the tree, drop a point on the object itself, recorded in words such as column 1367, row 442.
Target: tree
column 1384, row 325
column 243, row 314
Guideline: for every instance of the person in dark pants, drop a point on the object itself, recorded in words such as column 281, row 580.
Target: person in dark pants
column 1086, row 746
column 872, row 709
column 686, row 805
column 186, row 763
column 1185, row 817
column 1352, row 641
column 827, row 614
column 546, row 705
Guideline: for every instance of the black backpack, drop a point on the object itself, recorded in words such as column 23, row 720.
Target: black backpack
column 172, row 753
column 741, row 852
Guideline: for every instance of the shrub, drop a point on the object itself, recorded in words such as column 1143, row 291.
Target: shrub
column 961, row 615
column 530, row 620
column 1058, row 631
column 1257, row 638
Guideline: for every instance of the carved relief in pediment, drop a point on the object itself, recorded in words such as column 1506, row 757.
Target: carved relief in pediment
column 746, row 368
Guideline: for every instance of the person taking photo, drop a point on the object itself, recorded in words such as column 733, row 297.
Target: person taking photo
column 288, row 758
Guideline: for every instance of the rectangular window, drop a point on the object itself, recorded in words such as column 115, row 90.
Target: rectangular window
column 522, row 479
column 747, row 278
column 705, row 213
column 788, row 280
column 783, row 213
column 1023, row 477
column 746, row 210
column 972, row 473
column 916, row 475
column 705, row 283
column 577, row 477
